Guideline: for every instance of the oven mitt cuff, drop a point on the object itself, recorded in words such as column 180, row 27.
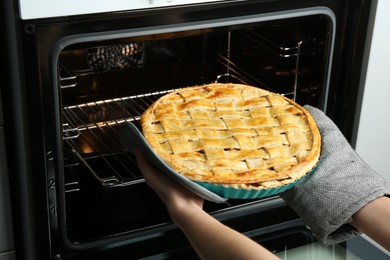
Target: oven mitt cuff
column 341, row 185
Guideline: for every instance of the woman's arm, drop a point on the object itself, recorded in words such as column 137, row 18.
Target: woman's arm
column 209, row 237
column 374, row 220
column 213, row 240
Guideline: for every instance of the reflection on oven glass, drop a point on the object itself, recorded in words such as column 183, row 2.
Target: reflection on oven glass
column 86, row 148
column 114, row 57
column 354, row 249
column 315, row 251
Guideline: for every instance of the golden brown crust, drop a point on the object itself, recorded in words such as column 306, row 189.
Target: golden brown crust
column 233, row 134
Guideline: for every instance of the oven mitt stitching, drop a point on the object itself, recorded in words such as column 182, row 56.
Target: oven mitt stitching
column 341, row 185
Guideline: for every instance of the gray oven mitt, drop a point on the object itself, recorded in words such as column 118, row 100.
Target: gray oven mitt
column 341, row 185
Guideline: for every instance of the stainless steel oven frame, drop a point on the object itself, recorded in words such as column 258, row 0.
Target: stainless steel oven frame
column 34, row 135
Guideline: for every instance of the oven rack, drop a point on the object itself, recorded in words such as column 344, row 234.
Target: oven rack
column 94, row 144
column 91, row 131
column 235, row 73
column 301, row 46
column 91, row 139
column 67, row 77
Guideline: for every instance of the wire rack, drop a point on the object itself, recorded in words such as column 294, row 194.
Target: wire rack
column 95, row 140
column 91, row 137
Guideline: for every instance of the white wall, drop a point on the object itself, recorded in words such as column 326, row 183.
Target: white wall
column 373, row 139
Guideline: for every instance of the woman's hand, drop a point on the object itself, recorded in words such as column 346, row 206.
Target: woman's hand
column 210, row 238
column 179, row 201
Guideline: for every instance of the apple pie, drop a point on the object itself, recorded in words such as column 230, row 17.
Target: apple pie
column 233, row 135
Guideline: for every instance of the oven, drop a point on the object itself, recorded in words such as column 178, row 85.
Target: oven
column 75, row 74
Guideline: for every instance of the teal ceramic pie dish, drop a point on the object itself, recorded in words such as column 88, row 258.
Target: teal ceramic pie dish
column 130, row 136
column 241, row 193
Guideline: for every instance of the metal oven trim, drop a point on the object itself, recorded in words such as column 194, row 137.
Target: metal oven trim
column 134, row 32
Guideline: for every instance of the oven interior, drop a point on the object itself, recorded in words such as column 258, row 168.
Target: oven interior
column 103, row 83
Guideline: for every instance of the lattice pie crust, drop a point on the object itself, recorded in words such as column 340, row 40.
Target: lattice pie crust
column 233, row 134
